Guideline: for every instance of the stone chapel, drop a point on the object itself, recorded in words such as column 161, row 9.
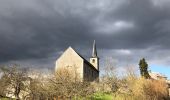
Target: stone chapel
column 86, row 70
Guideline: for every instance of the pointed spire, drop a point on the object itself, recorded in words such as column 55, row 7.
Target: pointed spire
column 94, row 53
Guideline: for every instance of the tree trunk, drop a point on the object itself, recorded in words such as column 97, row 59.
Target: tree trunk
column 17, row 91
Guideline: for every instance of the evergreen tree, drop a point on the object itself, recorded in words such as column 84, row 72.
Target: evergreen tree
column 143, row 66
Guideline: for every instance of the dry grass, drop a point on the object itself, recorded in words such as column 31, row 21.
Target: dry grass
column 131, row 87
column 147, row 89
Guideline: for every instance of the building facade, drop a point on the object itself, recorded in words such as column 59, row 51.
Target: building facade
column 78, row 65
column 157, row 76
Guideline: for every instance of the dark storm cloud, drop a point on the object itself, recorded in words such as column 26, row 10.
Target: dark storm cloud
column 37, row 29
column 150, row 26
column 25, row 33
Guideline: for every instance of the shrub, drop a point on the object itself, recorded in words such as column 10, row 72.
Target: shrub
column 148, row 89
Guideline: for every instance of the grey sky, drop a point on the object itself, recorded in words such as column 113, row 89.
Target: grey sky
column 35, row 32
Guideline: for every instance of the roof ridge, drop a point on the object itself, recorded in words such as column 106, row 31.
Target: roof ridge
column 86, row 61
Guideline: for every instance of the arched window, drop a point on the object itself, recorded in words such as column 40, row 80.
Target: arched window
column 93, row 60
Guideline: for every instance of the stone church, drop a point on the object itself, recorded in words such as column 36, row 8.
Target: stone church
column 87, row 71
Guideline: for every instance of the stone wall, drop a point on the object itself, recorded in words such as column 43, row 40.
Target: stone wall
column 90, row 74
column 70, row 60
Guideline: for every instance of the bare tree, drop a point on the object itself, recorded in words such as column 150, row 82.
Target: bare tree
column 110, row 78
column 14, row 78
column 3, row 84
column 67, row 83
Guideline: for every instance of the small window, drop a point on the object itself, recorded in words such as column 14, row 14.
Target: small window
column 93, row 60
column 85, row 69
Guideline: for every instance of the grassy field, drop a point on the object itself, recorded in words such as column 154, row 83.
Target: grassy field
column 112, row 96
column 101, row 96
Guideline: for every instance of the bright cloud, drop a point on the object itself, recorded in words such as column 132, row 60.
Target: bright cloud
column 111, row 27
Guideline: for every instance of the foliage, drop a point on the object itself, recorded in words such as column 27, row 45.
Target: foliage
column 143, row 66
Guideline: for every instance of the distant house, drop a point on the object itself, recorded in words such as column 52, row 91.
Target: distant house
column 157, row 76
column 86, row 71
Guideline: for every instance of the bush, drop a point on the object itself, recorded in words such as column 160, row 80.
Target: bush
column 148, row 89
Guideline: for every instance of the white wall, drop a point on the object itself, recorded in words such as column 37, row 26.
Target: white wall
column 70, row 59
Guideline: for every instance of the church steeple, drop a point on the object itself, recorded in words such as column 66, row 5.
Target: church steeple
column 94, row 53
column 94, row 60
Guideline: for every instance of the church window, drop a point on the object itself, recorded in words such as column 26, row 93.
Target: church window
column 93, row 60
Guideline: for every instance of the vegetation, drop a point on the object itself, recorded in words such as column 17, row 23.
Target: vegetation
column 101, row 96
column 65, row 84
column 13, row 77
column 144, row 68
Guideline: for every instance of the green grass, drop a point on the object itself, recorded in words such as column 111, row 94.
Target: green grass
column 111, row 96
column 101, row 96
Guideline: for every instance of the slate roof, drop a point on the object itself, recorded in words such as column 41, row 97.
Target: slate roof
column 85, row 61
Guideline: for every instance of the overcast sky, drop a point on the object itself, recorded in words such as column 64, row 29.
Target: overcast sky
column 36, row 32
